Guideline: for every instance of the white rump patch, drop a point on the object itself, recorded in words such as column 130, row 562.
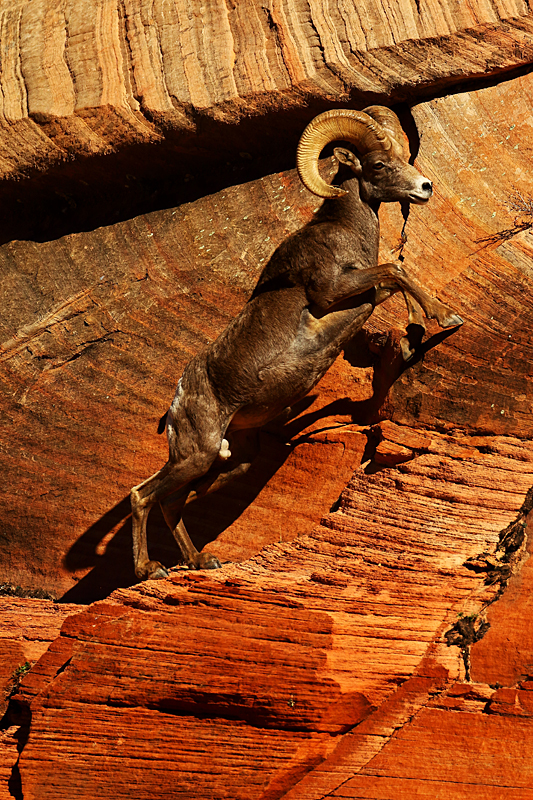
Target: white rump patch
column 224, row 452
column 177, row 397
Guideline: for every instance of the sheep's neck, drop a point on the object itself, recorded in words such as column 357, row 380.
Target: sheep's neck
column 351, row 210
column 355, row 216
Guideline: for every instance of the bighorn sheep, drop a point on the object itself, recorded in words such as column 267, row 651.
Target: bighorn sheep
column 318, row 289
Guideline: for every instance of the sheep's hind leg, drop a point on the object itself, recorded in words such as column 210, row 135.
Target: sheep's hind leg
column 172, row 507
column 142, row 500
column 229, row 465
column 172, row 480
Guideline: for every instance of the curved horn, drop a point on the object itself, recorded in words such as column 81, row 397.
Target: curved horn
column 390, row 122
column 342, row 124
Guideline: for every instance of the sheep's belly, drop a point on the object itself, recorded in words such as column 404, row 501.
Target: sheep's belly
column 281, row 385
column 295, row 371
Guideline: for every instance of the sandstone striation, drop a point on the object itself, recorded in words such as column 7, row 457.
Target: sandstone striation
column 111, row 108
column 88, row 78
column 27, row 626
column 308, row 655
column 369, row 633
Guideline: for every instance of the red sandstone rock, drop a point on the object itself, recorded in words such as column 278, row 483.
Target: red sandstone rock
column 289, row 660
column 86, row 384
column 111, row 109
column 335, row 664
column 89, row 79
column 505, row 654
column 27, row 626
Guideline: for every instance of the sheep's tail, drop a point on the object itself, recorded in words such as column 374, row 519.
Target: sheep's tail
column 162, row 423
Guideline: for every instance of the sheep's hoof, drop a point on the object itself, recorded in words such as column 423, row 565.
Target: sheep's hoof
column 407, row 350
column 204, row 561
column 410, row 343
column 451, row 320
column 456, row 321
column 151, row 571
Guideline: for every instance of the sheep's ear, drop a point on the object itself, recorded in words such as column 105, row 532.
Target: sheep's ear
column 346, row 157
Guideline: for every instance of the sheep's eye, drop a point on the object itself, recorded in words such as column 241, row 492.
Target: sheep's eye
column 379, row 165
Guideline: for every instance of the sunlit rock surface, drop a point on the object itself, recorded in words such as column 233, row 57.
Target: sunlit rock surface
column 343, row 650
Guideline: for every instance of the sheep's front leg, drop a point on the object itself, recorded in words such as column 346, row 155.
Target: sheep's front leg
column 386, row 279
column 395, row 275
column 415, row 320
column 414, row 311
column 415, row 299
column 383, row 292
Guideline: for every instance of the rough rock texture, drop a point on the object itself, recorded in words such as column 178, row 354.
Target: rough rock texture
column 27, row 626
column 109, row 108
column 470, row 740
column 352, row 656
column 97, row 327
column 308, row 655
column 85, row 78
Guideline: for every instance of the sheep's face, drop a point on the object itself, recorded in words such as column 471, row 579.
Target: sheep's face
column 388, row 178
column 385, row 177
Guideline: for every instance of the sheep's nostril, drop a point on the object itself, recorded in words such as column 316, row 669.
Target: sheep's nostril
column 427, row 186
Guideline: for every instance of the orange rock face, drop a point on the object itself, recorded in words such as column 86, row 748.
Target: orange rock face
column 278, row 667
column 27, row 626
column 371, row 638
column 303, row 660
column 110, row 109
column 153, row 67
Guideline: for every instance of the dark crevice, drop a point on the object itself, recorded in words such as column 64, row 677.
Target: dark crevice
column 273, row 26
column 99, row 190
column 316, row 33
column 19, row 713
column 460, row 85
column 86, row 192
column 22, row 735
column 498, row 568
column 14, row 783
column 16, row 715
column 63, row 667
column 87, row 348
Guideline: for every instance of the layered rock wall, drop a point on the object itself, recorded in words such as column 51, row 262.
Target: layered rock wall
column 109, row 109
column 383, row 529
column 28, row 626
column 99, row 325
column 86, row 78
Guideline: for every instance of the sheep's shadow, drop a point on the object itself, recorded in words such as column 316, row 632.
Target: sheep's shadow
column 207, row 517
